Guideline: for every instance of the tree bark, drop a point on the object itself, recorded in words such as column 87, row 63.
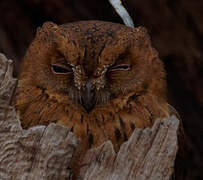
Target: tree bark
column 46, row 152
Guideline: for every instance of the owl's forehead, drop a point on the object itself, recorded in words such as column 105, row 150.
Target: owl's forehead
column 94, row 44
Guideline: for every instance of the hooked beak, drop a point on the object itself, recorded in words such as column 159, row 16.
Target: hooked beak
column 88, row 96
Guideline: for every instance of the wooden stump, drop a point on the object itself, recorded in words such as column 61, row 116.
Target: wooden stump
column 45, row 153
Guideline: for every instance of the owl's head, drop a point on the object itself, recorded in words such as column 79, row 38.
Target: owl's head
column 93, row 62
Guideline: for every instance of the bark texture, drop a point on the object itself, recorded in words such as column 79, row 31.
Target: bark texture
column 40, row 153
column 148, row 154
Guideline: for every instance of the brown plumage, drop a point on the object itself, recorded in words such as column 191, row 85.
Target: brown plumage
column 99, row 79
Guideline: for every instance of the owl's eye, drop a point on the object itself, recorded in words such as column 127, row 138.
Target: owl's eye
column 120, row 67
column 61, row 69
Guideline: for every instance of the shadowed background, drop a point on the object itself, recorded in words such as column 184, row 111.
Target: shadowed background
column 176, row 30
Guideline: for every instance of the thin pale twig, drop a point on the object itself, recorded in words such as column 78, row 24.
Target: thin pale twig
column 119, row 8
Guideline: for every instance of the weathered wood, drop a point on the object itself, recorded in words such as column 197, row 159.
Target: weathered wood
column 40, row 153
column 43, row 153
column 148, row 154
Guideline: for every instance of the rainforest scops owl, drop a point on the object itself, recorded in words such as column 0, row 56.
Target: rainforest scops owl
column 99, row 79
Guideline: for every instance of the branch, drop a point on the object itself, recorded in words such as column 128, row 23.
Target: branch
column 122, row 12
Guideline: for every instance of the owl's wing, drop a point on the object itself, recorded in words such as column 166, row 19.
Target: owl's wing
column 182, row 139
column 182, row 158
column 173, row 111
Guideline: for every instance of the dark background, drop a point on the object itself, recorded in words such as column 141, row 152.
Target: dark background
column 176, row 30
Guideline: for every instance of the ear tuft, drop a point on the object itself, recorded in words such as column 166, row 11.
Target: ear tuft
column 49, row 25
column 142, row 32
column 46, row 29
column 141, row 29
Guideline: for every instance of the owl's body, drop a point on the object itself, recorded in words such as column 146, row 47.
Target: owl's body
column 100, row 80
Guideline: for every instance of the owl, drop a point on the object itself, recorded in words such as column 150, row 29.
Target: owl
column 99, row 79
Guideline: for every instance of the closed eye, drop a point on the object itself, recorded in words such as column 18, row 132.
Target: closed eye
column 120, row 67
column 61, row 69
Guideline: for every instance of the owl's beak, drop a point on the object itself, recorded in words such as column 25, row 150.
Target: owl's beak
column 88, row 96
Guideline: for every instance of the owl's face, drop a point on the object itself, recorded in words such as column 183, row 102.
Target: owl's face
column 92, row 63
